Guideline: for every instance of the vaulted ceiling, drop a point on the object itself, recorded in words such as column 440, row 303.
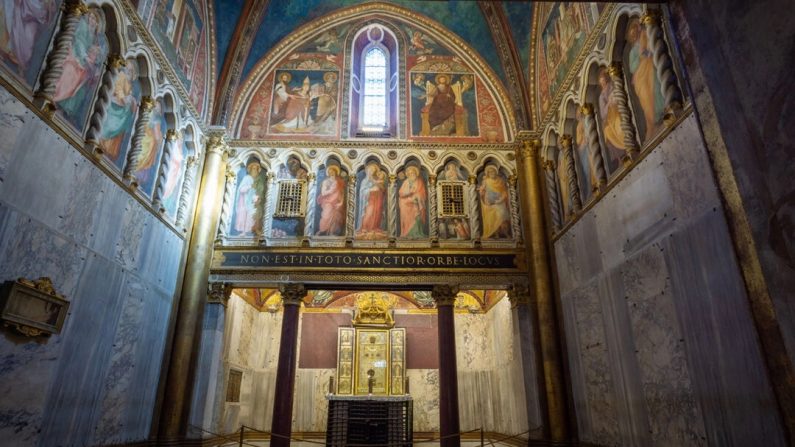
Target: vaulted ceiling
column 248, row 29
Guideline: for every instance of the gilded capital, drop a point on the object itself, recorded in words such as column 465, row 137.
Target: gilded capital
column 512, row 180
column 615, row 70
column 432, row 179
column 587, row 109
column 292, row 294
column 192, row 161
column 650, row 17
column 444, row 294
column 472, row 179
column 565, row 140
column 392, row 179
column 172, row 135
column 147, row 103
column 549, row 165
column 115, row 62
column 519, row 294
column 530, row 148
column 75, row 8
column 219, row 292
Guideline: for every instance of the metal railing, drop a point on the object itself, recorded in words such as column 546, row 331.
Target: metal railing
column 239, row 439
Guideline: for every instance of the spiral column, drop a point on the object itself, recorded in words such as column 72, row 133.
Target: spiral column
column 515, row 223
column 571, row 174
column 172, row 137
column 226, row 208
column 112, row 67
column 594, row 148
column 350, row 211
column 309, row 219
column 187, row 191
column 393, row 212
column 552, row 193
column 433, row 218
column 663, row 64
column 134, row 156
column 619, row 95
column 474, row 215
column 53, row 68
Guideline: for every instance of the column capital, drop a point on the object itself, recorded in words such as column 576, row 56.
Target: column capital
column 147, row 104
column 444, row 294
column 217, row 141
column 115, row 62
column 172, row 135
column 587, row 109
column 219, row 292
column 615, row 70
column 530, row 148
column 75, row 8
column 650, row 17
column 566, row 141
column 432, row 179
column 292, row 294
column 519, row 294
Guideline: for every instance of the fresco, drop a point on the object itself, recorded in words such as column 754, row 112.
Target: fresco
column 371, row 204
column 250, row 196
column 413, row 202
column 643, row 84
column 563, row 185
column 421, row 44
column 520, row 20
column 443, row 104
column 610, row 122
column 495, row 204
column 328, row 42
column 175, row 174
column 585, row 175
column 454, row 227
column 304, row 102
column 461, row 17
column 563, row 35
column 26, row 27
column 179, row 28
column 283, row 227
column 151, row 149
column 117, row 125
column 82, row 69
column 330, row 214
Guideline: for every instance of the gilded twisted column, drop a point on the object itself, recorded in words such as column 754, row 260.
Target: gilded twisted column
column 226, row 208
column 541, row 280
column 193, row 295
column 270, row 206
column 663, row 64
column 433, row 224
column 552, row 192
column 571, row 174
column 449, row 426
column 594, row 148
column 474, row 215
column 393, row 202
column 187, row 191
column 619, row 95
column 134, row 156
column 172, row 136
column 350, row 211
column 309, row 219
column 113, row 65
column 515, row 222
column 53, row 68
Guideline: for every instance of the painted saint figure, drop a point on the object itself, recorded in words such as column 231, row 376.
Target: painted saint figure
column 250, row 199
column 371, row 206
column 82, row 67
column 494, row 205
column 444, row 113
column 413, row 204
column 120, row 114
column 21, row 21
column 643, row 77
column 331, row 201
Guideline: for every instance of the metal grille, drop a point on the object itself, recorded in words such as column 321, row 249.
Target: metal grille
column 452, row 199
column 233, row 390
column 290, row 200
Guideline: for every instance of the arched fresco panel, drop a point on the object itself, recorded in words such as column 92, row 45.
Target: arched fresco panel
column 413, row 217
column 250, row 195
column 117, row 124
column 331, row 200
column 26, row 28
column 371, row 203
column 495, row 203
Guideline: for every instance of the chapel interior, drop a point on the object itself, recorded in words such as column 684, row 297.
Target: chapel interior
column 397, row 222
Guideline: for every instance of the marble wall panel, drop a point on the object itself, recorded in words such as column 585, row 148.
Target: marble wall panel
column 655, row 293
column 424, row 388
column 310, row 406
column 528, row 369
column 63, row 218
column 208, row 390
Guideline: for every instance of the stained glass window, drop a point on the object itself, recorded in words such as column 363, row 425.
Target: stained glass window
column 375, row 88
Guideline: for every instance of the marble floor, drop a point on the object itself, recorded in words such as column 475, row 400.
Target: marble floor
column 308, row 444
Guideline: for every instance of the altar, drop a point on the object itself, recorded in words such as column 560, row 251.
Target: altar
column 370, row 403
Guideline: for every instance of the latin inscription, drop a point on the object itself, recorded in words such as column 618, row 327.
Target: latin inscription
column 383, row 260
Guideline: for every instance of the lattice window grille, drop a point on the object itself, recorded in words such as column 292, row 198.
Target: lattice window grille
column 233, row 388
column 290, row 202
column 452, row 199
